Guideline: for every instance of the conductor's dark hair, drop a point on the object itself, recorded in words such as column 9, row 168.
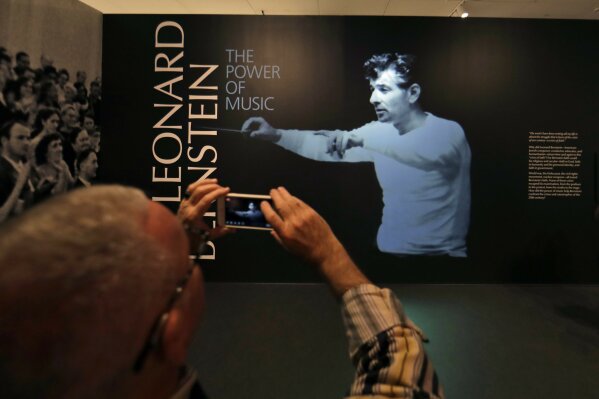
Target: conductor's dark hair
column 403, row 64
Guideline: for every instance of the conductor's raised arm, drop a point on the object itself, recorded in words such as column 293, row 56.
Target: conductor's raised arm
column 257, row 127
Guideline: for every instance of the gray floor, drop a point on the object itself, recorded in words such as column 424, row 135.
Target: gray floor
column 487, row 341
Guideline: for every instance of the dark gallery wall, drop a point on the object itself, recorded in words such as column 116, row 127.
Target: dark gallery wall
column 512, row 85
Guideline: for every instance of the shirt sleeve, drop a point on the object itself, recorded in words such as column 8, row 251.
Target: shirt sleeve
column 428, row 148
column 313, row 145
column 386, row 348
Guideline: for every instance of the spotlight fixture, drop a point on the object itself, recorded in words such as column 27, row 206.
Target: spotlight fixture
column 460, row 10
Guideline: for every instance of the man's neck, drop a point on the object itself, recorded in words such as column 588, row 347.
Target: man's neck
column 415, row 119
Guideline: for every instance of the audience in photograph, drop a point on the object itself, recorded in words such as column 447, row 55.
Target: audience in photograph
column 73, row 97
column 16, row 190
column 5, row 58
column 95, row 99
column 70, row 120
column 46, row 123
column 70, row 93
column 14, row 204
column 63, row 78
column 22, row 61
column 94, row 140
column 10, row 97
column 6, row 61
column 48, row 95
column 81, row 77
column 50, row 73
column 81, row 90
column 29, row 73
column 78, row 142
column 89, row 124
column 45, row 102
column 45, row 61
column 4, row 111
column 86, row 166
column 52, row 173
column 25, row 100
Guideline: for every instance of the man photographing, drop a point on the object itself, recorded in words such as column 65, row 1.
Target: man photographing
column 99, row 299
column 422, row 162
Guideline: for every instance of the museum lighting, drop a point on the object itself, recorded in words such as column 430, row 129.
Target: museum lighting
column 460, row 10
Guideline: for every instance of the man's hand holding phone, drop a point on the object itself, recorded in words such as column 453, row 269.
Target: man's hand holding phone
column 304, row 233
column 199, row 196
column 298, row 227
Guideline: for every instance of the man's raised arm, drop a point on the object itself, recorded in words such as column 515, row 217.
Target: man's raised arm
column 385, row 346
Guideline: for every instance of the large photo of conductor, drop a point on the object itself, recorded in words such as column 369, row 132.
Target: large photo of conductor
column 422, row 161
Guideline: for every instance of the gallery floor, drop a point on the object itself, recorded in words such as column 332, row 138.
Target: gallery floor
column 487, row 341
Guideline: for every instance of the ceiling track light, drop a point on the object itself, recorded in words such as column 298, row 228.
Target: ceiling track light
column 460, row 10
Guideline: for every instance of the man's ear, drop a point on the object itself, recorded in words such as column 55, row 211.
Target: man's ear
column 176, row 338
column 413, row 93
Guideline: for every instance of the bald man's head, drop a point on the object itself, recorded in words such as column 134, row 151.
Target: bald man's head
column 82, row 278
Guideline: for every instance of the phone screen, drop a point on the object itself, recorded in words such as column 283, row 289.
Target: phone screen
column 244, row 211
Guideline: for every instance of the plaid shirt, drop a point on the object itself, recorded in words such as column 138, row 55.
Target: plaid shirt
column 386, row 348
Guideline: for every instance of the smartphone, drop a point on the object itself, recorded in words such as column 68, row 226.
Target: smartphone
column 242, row 211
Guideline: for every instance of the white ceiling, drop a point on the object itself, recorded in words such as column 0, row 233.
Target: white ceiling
column 569, row 9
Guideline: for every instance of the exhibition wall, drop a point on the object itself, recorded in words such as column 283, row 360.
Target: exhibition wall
column 489, row 176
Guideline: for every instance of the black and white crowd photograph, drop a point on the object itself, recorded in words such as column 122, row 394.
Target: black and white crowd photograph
column 50, row 135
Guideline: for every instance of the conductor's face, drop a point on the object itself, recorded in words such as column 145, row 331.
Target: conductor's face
column 391, row 102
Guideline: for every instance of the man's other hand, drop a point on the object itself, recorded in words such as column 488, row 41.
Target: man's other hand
column 200, row 195
column 257, row 127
